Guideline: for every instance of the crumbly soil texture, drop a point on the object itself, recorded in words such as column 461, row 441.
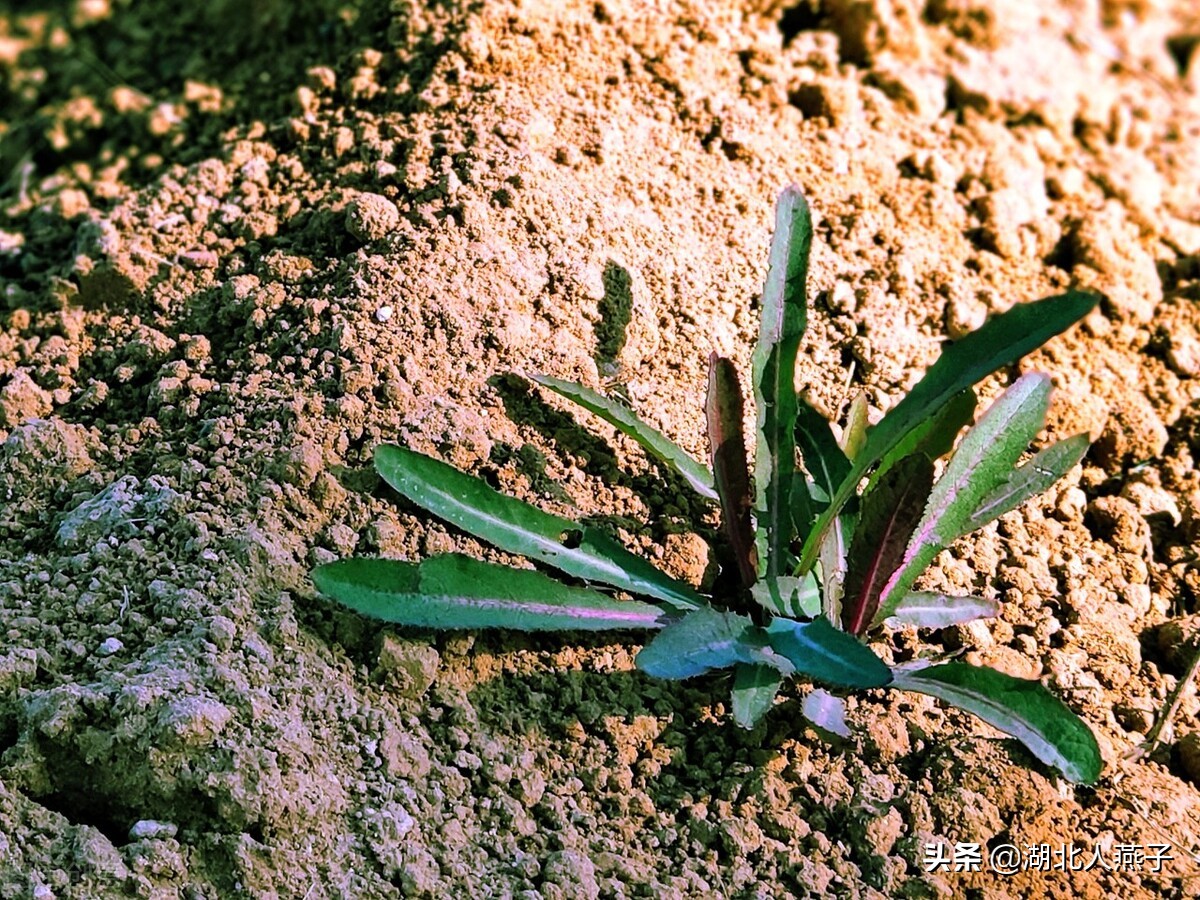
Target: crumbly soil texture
column 243, row 243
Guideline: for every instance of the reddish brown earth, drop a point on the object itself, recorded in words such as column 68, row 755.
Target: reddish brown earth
column 242, row 243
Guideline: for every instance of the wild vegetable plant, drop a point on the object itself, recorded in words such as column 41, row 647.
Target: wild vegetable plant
column 829, row 536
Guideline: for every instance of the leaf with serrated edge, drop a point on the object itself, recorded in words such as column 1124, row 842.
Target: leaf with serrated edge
column 823, row 653
column 826, row 711
column 783, row 318
column 1001, row 341
column 455, row 591
column 1021, row 709
column 723, row 409
column 703, row 640
column 796, row 598
column 627, row 422
column 1033, row 478
column 517, row 527
column 889, row 514
column 929, row 609
column 982, row 461
column 934, row 437
column 754, row 690
column 819, row 450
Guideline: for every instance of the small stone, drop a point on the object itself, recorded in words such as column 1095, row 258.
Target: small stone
column 964, row 314
column 1189, row 755
column 384, row 313
column 151, row 830
column 371, row 217
column 1183, row 356
column 410, row 666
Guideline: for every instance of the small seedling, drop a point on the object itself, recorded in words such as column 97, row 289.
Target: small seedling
column 828, row 542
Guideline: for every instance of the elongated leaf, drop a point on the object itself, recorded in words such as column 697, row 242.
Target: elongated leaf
column 935, row 436
column 826, row 711
column 796, row 598
column 1021, row 709
column 982, row 462
column 724, row 409
column 703, row 640
column 819, row 450
column 855, row 434
column 804, row 505
column 455, row 591
column 518, row 527
column 784, row 317
column 1033, row 478
column 754, row 690
column 834, row 556
column 890, row 512
column 821, row 652
column 929, row 609
column 1001, row 341
column 624, row 420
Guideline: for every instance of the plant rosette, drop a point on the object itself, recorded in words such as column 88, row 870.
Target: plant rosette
column 828, row 537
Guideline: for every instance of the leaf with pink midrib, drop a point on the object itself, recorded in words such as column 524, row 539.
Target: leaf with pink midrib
column 890, row 513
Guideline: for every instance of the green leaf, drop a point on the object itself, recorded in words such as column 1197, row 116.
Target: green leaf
column 929, row 609
column 518, row 527
column 455, row 591
column 754, row 690
column 890, row 512
column 854, row 436
column 723, row 410
column 784, row 317
column 1021, row 709
column 982, row 461
column 1033, row 478
column 821, row 652
column 819, row 451
column 1001, row 341
column 934, row 437
column 826, row 711
column 834, row 556
column 624, row 420
column 703, row 640
column 796, row 598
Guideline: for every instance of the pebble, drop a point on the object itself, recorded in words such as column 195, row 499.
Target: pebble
column 151, row 830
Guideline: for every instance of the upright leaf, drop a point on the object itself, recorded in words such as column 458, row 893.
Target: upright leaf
column 1021, row 709
column 821, row 652
column 855, row 434
column 518, row 527
column 754, row 690
column 624, row 420
column 1033, row 478
column 819, row 450
column 703, row 640
column 981, row 462
column 834, row 556
column 890, row 512
column 455, row 591
column 782, row 323
column 1001, row 341
column 935, row 436
column 724, row 409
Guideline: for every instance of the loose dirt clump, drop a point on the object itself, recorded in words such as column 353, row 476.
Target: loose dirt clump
column 242, row 243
